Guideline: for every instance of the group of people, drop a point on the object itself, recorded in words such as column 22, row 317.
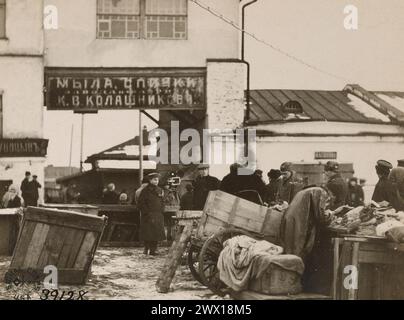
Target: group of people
column 283, row 185
column 303, row 231
column 29, row 193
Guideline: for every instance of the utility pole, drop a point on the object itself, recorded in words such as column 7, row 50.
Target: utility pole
column 140, row 148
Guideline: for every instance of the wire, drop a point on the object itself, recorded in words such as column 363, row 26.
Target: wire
column 273, row 47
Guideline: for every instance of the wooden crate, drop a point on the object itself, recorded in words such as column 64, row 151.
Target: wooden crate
column 81, row 208
column 122, row 229
column 9, row 226
column 223, row 210
column 65, row 239
column 379, row 264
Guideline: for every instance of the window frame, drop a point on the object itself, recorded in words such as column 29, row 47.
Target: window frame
column 4, row 5
column 142, row 18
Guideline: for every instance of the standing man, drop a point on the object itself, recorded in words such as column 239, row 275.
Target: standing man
column 384, row 189
column 336, row 184
column 203, row 184
column 151, row 208
column 35, row 189
column 290, row 185
column 25, row 188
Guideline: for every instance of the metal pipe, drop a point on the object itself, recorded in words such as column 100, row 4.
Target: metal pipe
column 247, row 114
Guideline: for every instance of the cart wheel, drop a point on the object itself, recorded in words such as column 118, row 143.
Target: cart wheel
column 193, row 263
column 208, row 258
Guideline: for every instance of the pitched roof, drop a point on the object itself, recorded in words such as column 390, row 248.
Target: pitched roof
column 352, row 104
column 128, row 150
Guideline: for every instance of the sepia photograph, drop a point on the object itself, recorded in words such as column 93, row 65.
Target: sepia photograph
column 213, row 153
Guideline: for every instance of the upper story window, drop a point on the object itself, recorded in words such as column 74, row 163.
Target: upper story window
column 2, row 18
column 142, row 19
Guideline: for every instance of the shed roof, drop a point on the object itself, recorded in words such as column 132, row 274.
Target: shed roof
column 352, row 104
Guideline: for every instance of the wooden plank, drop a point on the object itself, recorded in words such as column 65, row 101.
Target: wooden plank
column 71, row 237
column 65, row 218
column 251, row 295
column 173, row 259
column 84, row 254
column 36, row 246
column 53, row 246
column 376, row 257
column 352, row 292
column 336, row 267
column 23, row 242
column 75, row 248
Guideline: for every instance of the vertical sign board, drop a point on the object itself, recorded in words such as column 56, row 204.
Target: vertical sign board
column 113, row 89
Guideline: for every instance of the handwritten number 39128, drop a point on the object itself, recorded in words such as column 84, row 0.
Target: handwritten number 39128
column 63, row 295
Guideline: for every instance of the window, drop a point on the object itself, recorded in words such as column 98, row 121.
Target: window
column 118, row 19
column 2, row 18
column 142, row 19
column 166, row 19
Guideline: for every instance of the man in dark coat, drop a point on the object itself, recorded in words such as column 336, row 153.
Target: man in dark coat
column 110, row 196
column 384, row 189
column 25, row 190
column 290, row 185
column 242, row 179
column 151, row 208
column 335, row 184
column 203, row 184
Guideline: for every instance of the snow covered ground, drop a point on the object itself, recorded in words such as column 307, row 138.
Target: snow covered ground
column 125, row 273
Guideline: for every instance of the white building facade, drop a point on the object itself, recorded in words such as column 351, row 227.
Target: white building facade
column 22, row 147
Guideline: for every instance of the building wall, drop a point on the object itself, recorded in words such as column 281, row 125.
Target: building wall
column 74, row 43
column 21, row 84
column 225, row 94
column 24, row 32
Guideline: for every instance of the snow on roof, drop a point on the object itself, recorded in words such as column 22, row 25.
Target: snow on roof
column 366, row 109
column 395, row 101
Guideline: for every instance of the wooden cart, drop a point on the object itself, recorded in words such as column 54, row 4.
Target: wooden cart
column 226, row 216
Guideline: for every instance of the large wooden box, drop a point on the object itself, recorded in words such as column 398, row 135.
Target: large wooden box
column 64, row 239
column 81, row 208
column 122, row 229
column 9, row 226
column 223, row 210
column 277, row 281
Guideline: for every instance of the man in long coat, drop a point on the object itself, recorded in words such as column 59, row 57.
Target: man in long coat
column 151, row 208
column 203, row 184
column 384, row 189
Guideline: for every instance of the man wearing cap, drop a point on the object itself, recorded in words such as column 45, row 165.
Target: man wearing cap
column 384, row 189
column 151, row 208
column 290, row 185
column 25, row 188
column 203, row 184
column 335, row 184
